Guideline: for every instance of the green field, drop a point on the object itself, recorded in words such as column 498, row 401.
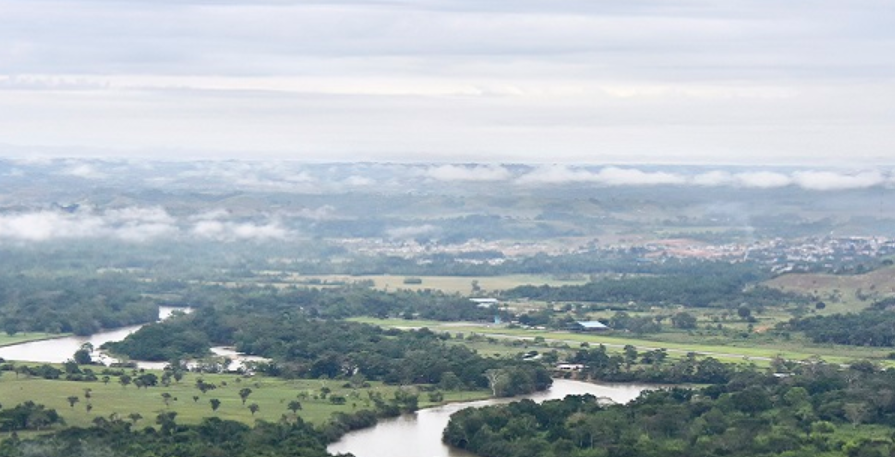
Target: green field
column 271, row 394
column 757, row 351
column 18, row 338
column 447, row 284
column 841, row 293
column 720, row 333
column 722, row 352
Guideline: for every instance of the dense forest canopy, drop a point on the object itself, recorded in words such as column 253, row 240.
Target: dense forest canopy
column 868, row 328
column 304, row 347
column 706, row 285
column 117, row 437
column 752, row 415
column 80, row 304
column 651, row 366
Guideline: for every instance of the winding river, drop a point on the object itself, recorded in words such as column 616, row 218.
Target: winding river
column 419, row 434
column 410, row 435
column 58, row 350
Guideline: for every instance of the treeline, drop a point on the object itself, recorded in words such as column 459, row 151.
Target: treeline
column 721, row 287
column 213, row 261
column 173, row 339
column 71, row 371
column 28, row 416
column 117, row 437
column 872, row 327
column 315, row 348
column 80, row 304
column 340, row 423
column 651, row 366
column 753, row 415
column 489, row 263
column 333, row 303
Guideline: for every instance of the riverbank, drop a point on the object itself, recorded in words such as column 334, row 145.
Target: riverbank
column 50, row 348
column 272, row 395
column 22, row 338
column 419, row 434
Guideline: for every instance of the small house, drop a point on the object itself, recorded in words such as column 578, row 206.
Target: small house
column 485, row 302
column 589, row 326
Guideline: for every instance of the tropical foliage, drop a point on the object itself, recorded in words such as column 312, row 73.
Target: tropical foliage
column 816, row 411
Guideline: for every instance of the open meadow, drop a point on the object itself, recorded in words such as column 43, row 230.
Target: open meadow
column 272, row 395
column 840, row 293
column 503, row 340
column 448, row 284
column 18, row 338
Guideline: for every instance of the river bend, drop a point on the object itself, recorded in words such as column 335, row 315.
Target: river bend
column 419, row 434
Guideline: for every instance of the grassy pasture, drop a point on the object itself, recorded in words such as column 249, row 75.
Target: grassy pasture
column 873, row 285
column 18, row 338
column 449, row 284
column 271, row 394
column 678, row 343
column 730, row 353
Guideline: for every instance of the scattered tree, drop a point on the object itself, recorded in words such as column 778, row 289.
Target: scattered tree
column 166, row 421
column 683, row 320
column 495, row 378
column 244, row 394
column 166, row 397
column 855, row 412
column 83, row 356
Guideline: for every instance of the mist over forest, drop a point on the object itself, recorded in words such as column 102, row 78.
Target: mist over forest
column 135, row 201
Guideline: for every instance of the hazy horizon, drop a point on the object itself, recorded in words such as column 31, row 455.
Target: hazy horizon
column 124, row 154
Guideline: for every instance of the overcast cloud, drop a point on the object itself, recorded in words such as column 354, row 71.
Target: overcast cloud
column 756, row 81
column 818, row 180
column 468, row 173
column 134, row 224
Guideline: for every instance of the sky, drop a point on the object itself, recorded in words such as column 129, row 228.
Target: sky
column 559, row 81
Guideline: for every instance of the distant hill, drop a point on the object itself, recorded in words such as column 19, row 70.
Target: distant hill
column 853, row 291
